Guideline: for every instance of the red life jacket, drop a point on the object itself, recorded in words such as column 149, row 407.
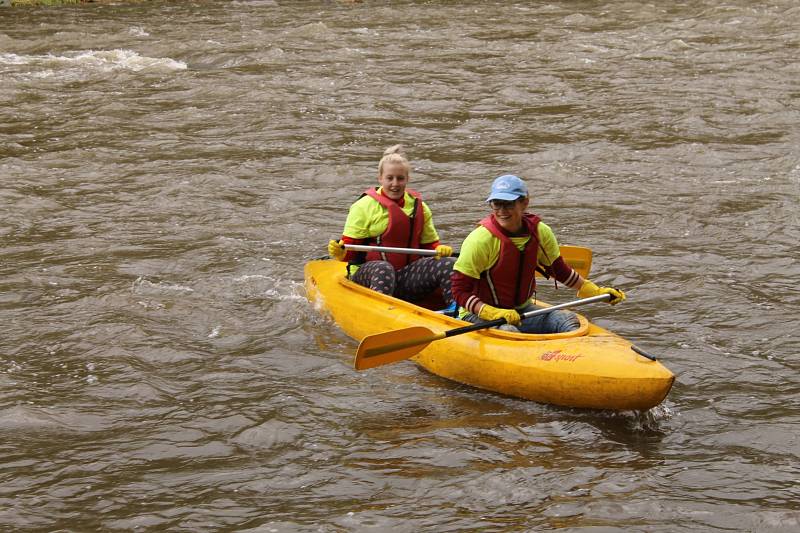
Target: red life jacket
column 512, row 279
column 403, row 231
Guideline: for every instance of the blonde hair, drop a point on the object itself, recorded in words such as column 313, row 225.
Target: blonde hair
column 394, row 154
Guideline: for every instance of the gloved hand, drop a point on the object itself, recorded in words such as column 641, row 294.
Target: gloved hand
column 443, row 251
column 488, row 312
column 336, row 250
column 589, row 289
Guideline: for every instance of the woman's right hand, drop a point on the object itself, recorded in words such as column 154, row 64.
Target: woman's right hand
column 336, row 250
column 488, row 312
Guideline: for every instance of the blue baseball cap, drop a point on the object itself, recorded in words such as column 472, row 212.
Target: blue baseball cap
column 508, row 187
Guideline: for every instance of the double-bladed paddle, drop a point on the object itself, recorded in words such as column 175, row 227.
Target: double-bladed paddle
column 392, row 346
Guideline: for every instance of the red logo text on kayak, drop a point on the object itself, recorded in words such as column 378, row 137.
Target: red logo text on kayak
column 556, row 355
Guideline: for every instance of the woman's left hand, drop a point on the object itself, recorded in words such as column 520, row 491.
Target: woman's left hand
column 443, row 251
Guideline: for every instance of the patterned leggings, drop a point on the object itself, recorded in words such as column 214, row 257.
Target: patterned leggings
column 412, row 282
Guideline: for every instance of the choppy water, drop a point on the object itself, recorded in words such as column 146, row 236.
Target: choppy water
column 168, row 167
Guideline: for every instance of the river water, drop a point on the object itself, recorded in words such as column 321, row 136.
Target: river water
column 167, row 168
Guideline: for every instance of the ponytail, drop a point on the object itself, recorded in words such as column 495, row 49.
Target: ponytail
column 394, row 154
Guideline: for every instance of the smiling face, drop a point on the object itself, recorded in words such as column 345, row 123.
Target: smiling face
column 393, row 179
column 509, row 213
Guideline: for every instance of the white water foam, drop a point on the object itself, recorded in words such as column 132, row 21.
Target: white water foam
column 138, row 31
column 102, row 60
column 147, row 287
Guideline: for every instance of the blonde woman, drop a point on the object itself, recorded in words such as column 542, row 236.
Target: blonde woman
column 396, row 216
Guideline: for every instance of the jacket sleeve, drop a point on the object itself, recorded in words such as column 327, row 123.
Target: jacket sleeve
column 564, row 273
column 465, row 292
column 349, row 255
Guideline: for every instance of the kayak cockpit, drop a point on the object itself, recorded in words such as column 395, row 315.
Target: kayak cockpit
column 431, row 311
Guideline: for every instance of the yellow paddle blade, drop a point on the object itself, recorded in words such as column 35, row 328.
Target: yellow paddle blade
column 579, row 258
column 393, row 346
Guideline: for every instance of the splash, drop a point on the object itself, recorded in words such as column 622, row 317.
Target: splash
column 271, row 287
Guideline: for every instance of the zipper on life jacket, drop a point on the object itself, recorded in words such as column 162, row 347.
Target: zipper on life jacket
column 520, row 271
column 412, row 219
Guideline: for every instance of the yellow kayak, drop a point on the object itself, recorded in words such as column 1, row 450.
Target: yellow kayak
column 590, row 367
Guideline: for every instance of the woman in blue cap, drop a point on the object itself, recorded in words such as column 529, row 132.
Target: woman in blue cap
column 494, row 276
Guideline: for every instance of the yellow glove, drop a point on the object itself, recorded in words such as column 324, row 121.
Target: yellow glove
column 336, row 250
column 589, row 289
column 443, row 251
column 488, row 312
